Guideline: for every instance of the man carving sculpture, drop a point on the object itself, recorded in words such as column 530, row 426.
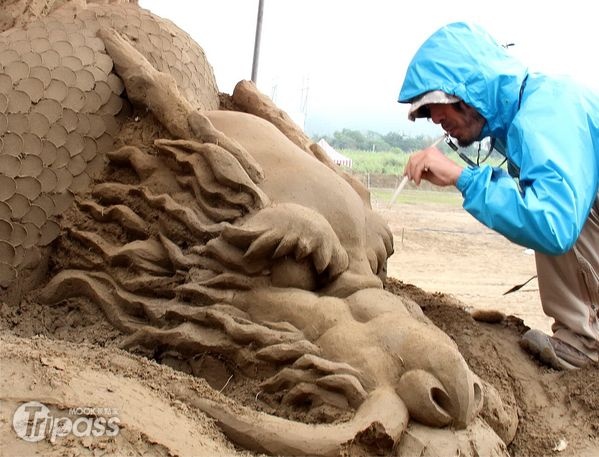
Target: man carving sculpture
column 548, row 129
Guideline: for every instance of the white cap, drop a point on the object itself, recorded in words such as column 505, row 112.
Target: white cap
column 418, row 108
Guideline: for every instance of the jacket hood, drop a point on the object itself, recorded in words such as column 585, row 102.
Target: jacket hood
column 464, row 60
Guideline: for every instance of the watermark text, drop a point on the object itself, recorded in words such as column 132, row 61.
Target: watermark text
column 33, row 421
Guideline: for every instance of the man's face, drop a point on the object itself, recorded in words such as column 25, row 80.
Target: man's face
column 459, row 120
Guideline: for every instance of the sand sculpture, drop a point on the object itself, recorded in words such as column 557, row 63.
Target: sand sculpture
column 227, row 233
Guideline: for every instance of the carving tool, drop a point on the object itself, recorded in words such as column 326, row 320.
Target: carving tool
column 404, row 180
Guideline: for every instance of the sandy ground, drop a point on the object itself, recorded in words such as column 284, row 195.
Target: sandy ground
column 441, row 248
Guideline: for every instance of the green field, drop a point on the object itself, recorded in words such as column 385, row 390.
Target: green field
column 417, row 196
column 393, row 163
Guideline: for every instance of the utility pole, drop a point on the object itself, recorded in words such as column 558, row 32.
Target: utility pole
column 257, row 41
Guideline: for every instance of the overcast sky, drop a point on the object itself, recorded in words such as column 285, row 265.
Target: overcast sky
column 350, row 56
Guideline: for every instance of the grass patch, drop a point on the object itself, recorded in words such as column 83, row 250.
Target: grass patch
column 418, row 196
column 394, row 162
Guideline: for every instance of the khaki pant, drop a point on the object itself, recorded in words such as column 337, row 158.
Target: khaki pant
column 569, row 289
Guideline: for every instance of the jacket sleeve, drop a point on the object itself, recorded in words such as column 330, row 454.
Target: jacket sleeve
column 558, row 181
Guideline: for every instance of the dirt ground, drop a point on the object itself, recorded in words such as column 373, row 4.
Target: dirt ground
column 441, row 248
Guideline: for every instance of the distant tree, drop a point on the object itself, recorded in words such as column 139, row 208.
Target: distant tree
column 357, row 140
column 373, row 141
column 376, row 142
column 394, row 139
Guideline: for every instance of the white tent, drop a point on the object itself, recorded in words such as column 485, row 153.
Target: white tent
column 335, row 156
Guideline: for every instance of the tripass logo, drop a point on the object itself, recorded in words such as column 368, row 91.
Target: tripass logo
column 33, row 422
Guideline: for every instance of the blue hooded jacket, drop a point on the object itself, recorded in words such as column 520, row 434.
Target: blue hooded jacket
column 548, row 127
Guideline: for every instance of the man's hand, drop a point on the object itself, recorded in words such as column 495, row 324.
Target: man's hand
column 432, row 165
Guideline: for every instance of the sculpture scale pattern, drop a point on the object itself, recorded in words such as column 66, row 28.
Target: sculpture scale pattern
column 60, row 103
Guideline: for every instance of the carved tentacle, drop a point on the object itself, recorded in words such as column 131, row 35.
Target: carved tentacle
column 185, row 339
column 346, row 384
column 288, row 352
column 316, row 396
column 147, row 86
column 379, row 422
column 143, row 164
column 102, row 290
column 226, row 169
column 120, row 214
column 288, row 377
column 204, row 131
column 200, row 168
column 117, row 193
column 231, row 257
column 318, row 378
column 218, row 213
column 148, row 255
